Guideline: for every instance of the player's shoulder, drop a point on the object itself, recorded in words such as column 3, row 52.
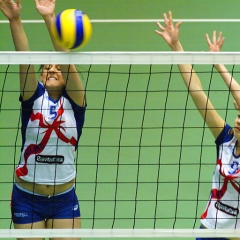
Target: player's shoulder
column 226, row 135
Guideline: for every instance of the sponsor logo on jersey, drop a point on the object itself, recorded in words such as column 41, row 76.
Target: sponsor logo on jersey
column 231, row 147
column 57, row 159
column 226, row 209
column 233, row 168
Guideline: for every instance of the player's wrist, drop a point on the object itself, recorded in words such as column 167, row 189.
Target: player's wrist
column 15, row 20
column 49, row 17
column 177, row 47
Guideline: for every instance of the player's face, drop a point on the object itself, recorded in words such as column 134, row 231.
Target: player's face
column 52, row 77
column 237, row 126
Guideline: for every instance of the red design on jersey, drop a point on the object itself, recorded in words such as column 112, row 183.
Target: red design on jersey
column 38, row 148
column 218, row 194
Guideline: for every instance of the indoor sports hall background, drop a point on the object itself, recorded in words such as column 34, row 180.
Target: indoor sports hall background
column 125, row 179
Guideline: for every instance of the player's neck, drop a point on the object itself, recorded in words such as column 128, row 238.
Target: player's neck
column 237, row 148
column 54, row 94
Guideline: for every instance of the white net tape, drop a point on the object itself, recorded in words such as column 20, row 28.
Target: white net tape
column 119, row 57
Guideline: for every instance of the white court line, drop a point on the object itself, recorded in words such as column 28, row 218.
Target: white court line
column 118, row 233
column 141, row 20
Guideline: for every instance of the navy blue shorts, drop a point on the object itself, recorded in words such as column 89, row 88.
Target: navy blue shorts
column 28, row 208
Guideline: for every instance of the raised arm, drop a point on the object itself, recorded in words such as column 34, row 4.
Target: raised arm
column 170, row 34
column 215, row 46
column 28, row 81
column 74, row 86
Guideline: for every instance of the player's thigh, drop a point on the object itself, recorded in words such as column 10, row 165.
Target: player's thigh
column 36, row 225
column 74, row 223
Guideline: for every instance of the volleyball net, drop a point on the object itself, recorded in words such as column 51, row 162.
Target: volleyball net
column 145, row 157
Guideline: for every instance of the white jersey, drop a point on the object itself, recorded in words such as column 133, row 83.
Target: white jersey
column 222, row 211
column 50, row 133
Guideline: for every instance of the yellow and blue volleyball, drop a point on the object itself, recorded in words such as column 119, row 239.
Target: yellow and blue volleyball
column 72, row 29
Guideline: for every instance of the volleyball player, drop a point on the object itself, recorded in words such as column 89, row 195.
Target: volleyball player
column 222, row 210
column 52, row 119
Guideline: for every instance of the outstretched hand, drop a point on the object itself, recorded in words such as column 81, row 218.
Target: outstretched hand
column 169, row 32
column 45, row 7
column 11, row 9
column 216, row 44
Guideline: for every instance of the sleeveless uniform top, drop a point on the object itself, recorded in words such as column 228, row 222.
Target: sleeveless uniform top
column 50, row 134
column 222, row 211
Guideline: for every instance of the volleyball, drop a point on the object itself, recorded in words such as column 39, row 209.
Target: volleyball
column 72, row 29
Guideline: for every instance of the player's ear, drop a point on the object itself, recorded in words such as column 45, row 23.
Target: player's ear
column 41, row 77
